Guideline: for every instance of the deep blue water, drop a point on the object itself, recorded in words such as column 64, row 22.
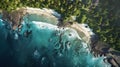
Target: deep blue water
column 45, row 46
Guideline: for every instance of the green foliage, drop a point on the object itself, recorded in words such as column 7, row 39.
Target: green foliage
column 103, row 18
column 65, row 7
column 105, row 21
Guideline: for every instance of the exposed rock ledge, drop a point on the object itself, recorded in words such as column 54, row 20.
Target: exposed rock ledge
column 103, row 49
column 97, row 47
column 15, row 17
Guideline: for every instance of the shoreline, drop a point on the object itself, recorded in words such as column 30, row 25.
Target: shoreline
column 86, row 34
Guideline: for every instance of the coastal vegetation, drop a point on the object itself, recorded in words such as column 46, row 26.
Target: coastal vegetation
column 103, row 16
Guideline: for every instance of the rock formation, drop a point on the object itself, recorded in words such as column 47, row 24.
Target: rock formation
column 98, row 48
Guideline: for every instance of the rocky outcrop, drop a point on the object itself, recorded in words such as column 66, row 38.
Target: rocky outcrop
column 15, row 17
column 99, row 48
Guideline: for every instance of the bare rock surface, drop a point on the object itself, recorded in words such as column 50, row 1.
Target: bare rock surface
column 15, row 17
column 99, row 48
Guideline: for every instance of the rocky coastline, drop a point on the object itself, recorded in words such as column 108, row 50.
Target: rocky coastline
column 98, row 48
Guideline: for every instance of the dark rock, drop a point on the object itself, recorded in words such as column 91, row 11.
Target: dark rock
column 14, row 17
column 112, row 61
column 64, row 24
column 116, row 55
column 101, row 48
column 27, row 33
column 70, row 22
column 70, row 34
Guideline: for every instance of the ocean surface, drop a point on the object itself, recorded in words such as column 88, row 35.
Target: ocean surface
column 41, row 43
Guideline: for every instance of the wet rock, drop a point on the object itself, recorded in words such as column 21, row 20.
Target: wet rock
column 101, row 48
column 70, row 34
column 116, row 55
column 14, row 17
column 112, row 61
column 27, row 33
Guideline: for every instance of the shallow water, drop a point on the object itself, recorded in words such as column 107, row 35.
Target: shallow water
column 45, row 46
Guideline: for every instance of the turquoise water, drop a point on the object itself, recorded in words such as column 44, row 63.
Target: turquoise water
column 45, row 46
